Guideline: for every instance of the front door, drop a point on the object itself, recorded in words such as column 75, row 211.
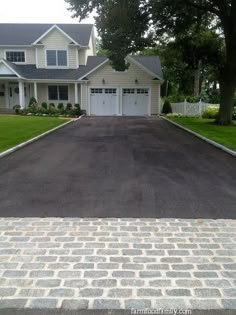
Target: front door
column 14, row 98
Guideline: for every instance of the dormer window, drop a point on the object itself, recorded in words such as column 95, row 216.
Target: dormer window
column 15, row 56
column 56, row 58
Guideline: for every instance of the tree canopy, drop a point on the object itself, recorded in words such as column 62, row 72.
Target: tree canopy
column 204, row 30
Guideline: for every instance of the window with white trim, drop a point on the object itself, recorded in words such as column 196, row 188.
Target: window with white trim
column 56, row 58
column 58, row 92
column 15, row 56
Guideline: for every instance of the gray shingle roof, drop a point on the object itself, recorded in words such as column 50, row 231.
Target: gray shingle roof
column 27, row 34
column 151, row 63
column 32, row 73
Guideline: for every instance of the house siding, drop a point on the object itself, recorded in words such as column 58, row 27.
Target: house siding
column 29, row 53
column 43, row 93
column 123, row 80
column 56, row 40
column 90, row 51
column 82, row 57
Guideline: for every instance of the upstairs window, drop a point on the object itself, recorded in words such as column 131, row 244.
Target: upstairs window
column 56, row 58
column 15, row 56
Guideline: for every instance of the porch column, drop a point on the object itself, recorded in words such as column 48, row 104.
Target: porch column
column 21, row 94
column 7, row 103
column 76, row 94
column 35, row 91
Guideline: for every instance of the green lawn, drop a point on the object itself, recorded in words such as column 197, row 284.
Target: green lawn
column 17, row 129
column 206, row 127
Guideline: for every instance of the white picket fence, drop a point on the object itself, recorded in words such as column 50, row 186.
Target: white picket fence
column 191, row 109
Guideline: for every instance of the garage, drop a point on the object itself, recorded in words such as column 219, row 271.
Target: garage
column 135, row 102
column 103, row 101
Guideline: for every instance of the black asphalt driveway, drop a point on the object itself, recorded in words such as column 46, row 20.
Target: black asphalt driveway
column 119, row 167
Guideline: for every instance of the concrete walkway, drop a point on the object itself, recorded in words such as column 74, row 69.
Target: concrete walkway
column 79, row 264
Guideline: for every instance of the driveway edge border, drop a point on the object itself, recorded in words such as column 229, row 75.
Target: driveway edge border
column 215, row 144
column 24, row 144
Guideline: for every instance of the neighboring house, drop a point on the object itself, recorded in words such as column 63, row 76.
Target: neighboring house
column 58, row 63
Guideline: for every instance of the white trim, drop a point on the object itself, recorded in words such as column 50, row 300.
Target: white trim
column 60, row 30
column 159, row 99
column 35, row 91
column 6, row 91
column 16, row 50
column 56, row 67
column 94, row 69
column 81, row 96
column 27, row 46
column 93, row 41
column 36, row 57
column 77, row 58
column 150, row 102
column 144, row 68
column 21, row 86
column 76, row 93
column 7, row 65
column 53, row 80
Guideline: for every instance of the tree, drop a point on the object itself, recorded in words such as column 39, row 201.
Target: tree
column 124, row 24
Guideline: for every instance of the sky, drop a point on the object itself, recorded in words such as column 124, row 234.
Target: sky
column 40, row 11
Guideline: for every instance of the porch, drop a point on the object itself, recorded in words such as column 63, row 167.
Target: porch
column 19, row 92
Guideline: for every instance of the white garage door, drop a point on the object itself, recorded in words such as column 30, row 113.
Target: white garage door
column 103, row 102
column 135, row 102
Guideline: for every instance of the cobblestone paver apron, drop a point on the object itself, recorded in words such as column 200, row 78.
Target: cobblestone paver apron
column 117, row 263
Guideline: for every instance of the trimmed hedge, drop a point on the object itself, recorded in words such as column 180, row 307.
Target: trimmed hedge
column 51, row 110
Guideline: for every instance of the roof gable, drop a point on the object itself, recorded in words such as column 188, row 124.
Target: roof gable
column 54, row 27
column 26, row 34
column 7, row 70
column 150, row 64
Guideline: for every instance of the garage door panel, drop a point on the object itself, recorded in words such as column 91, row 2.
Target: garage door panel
column 103, row 102
column 135, row 102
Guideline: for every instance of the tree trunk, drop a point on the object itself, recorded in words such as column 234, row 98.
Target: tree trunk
column 227, row 92
column 197, row 76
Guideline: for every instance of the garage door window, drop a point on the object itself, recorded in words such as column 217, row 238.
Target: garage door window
column 110, row 91
column 129, row 91
column 96, row 91
column 142, row 91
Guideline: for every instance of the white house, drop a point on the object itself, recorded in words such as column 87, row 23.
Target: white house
column 58, row 64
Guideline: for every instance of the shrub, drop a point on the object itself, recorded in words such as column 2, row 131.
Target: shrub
column 33, row 108
column 234, row 113
column 60, row 106
column 167, row 109
column 51, row 105
column 17, row 109
column 68, row 106
column 44, row 105
column 33, row 102
column 214, row 99
column 176, row 98
column 192, row 99
column 211, row 112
